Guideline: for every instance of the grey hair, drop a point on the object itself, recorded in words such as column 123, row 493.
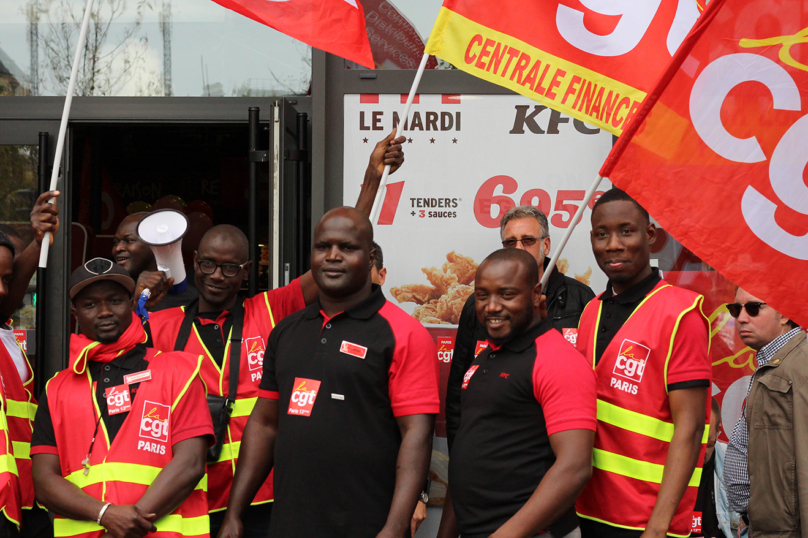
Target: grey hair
column 525, row 212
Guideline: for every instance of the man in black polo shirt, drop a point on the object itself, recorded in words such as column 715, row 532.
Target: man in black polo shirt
column 525, row 228
column 347, row 405
column 524, row 447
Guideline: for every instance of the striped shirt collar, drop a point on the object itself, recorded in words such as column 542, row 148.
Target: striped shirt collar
column 768, row 351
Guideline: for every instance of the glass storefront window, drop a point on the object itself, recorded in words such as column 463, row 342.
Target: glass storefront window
column 18, row 191
column 398, row 33
column 181, row 48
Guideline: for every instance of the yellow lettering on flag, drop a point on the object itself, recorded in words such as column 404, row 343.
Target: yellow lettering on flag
column 507, row 61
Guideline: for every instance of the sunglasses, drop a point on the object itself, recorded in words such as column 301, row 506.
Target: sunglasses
column 753, row 309
column 526, row 242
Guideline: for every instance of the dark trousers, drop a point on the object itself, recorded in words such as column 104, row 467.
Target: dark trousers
column 255, row 520
column 593, row 529
column 36, row 523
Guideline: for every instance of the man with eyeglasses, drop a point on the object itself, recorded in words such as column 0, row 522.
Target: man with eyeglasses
column 207, row 326
column 526, row 228
column 767, row 456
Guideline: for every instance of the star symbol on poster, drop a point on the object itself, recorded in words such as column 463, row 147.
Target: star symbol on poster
column 431, row 140
column 409, row 140
column 364, row 140
column 454, row 140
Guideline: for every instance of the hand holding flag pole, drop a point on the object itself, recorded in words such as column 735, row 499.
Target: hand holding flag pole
column 60, row 142
column 377, row 202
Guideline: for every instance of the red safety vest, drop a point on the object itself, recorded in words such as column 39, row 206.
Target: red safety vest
column 16, row 421
column 121, row 473
column 258, row 322
column 635, row 425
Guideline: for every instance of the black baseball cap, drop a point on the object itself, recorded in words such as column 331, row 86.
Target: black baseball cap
column 96, row 270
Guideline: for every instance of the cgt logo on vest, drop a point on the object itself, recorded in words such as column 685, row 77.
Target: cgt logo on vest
column 154, row 427
column 630, row 364
column 255, row 356
column 445, row 348
column 303, row 395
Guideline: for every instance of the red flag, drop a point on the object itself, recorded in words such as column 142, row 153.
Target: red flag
column 590, row 59
column 335, row 26
column 718, row 152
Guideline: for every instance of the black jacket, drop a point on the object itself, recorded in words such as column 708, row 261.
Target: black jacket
column 566, row 299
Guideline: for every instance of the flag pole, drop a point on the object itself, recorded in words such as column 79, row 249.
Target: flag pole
column 578, row 214
column 377, row 202
column 60, row 142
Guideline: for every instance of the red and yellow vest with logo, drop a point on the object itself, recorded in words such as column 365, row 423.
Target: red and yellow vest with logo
column 258, row 322
column 16, row 422
column 635, row 425
column 122, row 472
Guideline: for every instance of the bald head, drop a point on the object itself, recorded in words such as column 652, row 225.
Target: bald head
column 342, row 255
column 517, row 256
column 361, row 223
column 226, row 233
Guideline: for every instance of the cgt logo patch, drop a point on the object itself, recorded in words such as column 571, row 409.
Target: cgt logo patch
column 304, row 392
column 255, row 352
column 571, row 335
column 469, row 373
column 631, row 359
column 480, row 347
column 445, row 348
column 154, row 422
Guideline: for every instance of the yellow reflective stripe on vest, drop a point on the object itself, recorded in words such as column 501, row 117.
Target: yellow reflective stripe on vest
column 229, row 451
column 640, row 470
column 639, row 423
column 634, row 422
column 8, row 464
column 188, row 526
column 22, row 451
column 243, row 407
column 133, row 473
column 19, row 409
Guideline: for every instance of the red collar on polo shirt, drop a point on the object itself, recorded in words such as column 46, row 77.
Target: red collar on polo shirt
column 493, row 346
column 326, row 319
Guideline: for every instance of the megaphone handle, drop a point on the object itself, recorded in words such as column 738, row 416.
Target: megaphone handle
column 140, row 309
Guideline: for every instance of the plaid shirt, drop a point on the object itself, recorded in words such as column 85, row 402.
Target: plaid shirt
column 736, row 474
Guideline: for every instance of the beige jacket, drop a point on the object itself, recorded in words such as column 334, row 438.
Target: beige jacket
column 777, row 418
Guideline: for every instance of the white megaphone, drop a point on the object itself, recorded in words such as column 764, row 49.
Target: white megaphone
column 163, row 230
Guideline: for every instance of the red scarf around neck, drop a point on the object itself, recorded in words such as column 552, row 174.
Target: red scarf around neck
column 83, row 349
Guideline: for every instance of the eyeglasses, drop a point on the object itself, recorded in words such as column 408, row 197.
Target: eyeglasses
column 526, row 242
column 753, row 309
column 228, row 269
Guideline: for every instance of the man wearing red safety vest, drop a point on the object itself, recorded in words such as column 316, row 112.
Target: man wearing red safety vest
column 208, row 326
column 649, row 344
column 17, row 403
column 120, row 436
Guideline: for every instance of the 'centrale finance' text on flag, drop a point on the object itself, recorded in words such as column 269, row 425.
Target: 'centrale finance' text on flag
column 579, row 57
column 718, row 153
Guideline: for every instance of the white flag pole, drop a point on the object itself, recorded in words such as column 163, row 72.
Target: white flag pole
column 589, row 194
column 377, row 202
column 60, row 142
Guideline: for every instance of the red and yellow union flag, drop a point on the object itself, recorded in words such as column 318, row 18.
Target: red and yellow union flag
column 592, row 61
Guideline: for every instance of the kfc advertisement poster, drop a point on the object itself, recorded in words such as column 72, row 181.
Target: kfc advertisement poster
column 470, row 158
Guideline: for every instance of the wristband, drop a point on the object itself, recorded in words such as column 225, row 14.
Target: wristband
column 101, row 513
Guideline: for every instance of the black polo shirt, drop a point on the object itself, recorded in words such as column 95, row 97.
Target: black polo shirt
column 512, row 399
column 340, row 383
column 104, row 376
column 616, row 309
